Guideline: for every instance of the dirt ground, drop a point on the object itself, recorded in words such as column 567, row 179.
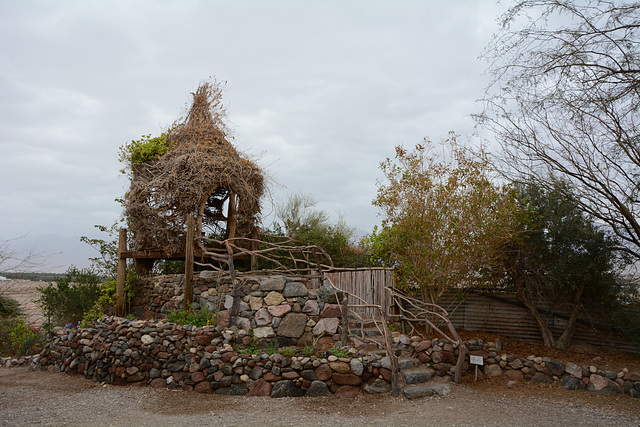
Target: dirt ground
column 45, row 398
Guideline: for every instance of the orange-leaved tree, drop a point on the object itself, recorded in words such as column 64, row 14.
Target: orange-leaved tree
column 444, row 220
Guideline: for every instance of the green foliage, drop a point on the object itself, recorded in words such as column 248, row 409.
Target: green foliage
column 252, row 347
column 145, row 149
column 312, row 226
column 308, row 350
column 107, row 263
column 338, row 351
column 71, row 297
column 19, row 339
column 192, row 316
column 272, row 348
column 106, row 302
column 289, row 351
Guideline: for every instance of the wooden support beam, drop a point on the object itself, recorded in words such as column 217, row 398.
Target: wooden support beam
column 188, row 264
column 232, row 216
column 122, row 272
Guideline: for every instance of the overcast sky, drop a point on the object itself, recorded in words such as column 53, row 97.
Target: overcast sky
column 318, row 92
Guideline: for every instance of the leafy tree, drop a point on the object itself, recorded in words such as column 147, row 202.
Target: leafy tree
column 301, row 221
column 443, row 219
column 565, row 100
column 560, row 259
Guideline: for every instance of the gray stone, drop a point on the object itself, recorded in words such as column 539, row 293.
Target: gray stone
column 311, row 308
column 262, row 317
column 417, row 392
column 273, row 283
column 378, row 386
column 292, row 325
column 442, row 389
column 317, row 389
column 356, row 367
column 601, row 384
column 326, row 294
column 286, row 388
column 326, row 326
column 539, row 377
column 295, row 289
column 555, row 368
column 417, row 375
column 263, row 332
column 573, row 370
column 492, row 370
column 243, row 323
column 571, row 383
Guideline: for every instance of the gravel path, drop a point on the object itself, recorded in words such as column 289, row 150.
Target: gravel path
column 44, row 398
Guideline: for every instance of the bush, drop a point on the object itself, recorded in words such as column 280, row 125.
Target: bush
column 19, row 339
column 70, row 297
column 9, row 308
column 196, row 317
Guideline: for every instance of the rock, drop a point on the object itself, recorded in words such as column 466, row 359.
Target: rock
column 292, row 325
column 311, row 308
column 263, row 332
column 255, row 303
column 263, row 317
column 331, row 310
column 345, row 379
column 146, row 339
column 274, row 298
column 631, row 376
column 203, row 387
column 377, row 386
column 573, row 370
column 273, row 283
column 323, row 372
column 243, row 323
column 260, row 387
column 417, row 392
column 422, row 346
column 318, row 389
column 295, row 289
column 356, row 367
column 555, row 368
column 326, row 326
column 417, row 375
column 347, row 390
column 539, row 377
column 514, row 375
column 515, row 363
column 327, row 295
column 286, row 388
column 443, row 357
column 512, row 384
column 340, row 367
column 602, row 384
column 572, row 383
column 158, row 383
column 492, row 371
column 442, row 389
column 279, row 310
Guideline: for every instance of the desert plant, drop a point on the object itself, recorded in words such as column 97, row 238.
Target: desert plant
column 19, row 338
column 272, row 348
column 289, row 351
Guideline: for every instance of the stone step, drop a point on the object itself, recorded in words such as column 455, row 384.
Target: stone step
column 417, row 375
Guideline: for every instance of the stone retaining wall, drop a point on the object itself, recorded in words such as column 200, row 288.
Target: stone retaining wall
column 158, row 354
column 271, row 307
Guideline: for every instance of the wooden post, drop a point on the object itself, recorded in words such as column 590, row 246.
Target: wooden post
column 188, row 264
column 122, row 272
column 232, row 216
column 255, row 235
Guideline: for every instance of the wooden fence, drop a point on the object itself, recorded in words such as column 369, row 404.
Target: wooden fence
column 367, row 283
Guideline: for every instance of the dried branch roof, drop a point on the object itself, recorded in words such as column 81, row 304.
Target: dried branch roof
column 199, row 171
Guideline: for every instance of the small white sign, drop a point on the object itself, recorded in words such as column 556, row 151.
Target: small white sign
column 476, row 360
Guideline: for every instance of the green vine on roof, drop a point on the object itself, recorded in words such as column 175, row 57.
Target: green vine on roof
column 144, row 150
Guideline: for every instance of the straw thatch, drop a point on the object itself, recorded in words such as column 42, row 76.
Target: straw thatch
column 197, row 176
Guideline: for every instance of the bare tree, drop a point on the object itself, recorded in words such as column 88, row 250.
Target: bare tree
column 13, row 260
column 565, row 101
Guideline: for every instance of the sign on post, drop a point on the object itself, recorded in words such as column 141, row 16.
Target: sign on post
column 476, row 360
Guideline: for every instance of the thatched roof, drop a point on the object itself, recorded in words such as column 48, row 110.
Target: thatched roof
column 199, row 174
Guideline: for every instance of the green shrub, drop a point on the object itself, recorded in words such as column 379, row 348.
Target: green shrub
column 338, row 352
column 70, row 297
column 19, row 339
column 196, row 317
column 272, row 348
column 288, row 352
column 9, row 308
column 144, row 149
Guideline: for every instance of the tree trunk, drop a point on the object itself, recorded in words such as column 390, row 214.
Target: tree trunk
column 565, row 339
column 547, row 336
